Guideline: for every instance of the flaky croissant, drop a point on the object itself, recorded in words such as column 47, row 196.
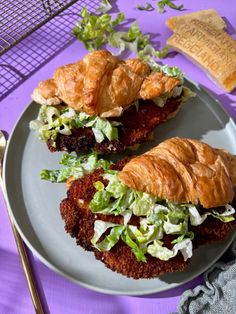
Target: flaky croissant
column 183, row 171
column 101, row 84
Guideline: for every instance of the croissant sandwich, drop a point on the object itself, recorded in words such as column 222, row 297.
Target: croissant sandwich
column 106, row 104
column 144, row 216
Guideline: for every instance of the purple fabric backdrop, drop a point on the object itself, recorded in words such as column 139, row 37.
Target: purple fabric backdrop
column 63, row 296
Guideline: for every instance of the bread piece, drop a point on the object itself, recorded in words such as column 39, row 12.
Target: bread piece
column 209, row 47
column 209, row 16
column 183, row 171
column 101, row 84
column 157, row 84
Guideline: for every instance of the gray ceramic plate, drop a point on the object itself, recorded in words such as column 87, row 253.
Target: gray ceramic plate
column 34, row 204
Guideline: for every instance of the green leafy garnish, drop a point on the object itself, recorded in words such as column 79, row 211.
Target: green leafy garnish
column 100, row 227
column 157, row 250
column 116, row 198
column 96, row 31
column 61, row 119
column 93, row 30
column 75, row 166
column 161, row 5
column 148, row 7
column 133, row 40
column 104, row 6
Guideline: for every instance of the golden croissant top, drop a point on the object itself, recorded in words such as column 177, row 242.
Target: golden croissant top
column 102, row 84
column 184, row 171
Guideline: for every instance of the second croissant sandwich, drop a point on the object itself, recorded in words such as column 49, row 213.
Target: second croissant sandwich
column 143, row 217
column 106, row 104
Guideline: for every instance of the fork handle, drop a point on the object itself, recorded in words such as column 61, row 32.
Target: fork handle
column 36, row 300
column 28, row 271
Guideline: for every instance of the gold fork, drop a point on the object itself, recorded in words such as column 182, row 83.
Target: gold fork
column 20, row 244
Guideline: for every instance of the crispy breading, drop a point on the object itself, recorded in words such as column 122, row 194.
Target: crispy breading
column 79, row 223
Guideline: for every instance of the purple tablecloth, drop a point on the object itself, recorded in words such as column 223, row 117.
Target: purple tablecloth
column 63, row 296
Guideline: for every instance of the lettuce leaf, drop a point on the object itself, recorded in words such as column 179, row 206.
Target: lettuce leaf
column 119, row 198
column 100, row 227
column 96, row 31
column 161, row 5
column 60, row 119
column 92, row 30
column 196, row 219
column 76, row 166
column 138, row 252
column 117, row 232
column 104, row 6
column 147, row 7
column 163, row 253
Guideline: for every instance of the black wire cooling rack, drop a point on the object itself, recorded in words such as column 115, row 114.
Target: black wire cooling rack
column 31, row 33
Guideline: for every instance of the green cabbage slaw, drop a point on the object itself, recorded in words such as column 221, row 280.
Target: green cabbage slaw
column 61, row 119
column 157, row 218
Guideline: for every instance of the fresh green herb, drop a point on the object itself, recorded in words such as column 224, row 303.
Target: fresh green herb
column 148, row 7
column 161, row 5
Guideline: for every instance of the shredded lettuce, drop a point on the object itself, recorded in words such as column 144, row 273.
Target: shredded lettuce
column 116, row 198
column 104, row 6
column 60, row 119
column 170, row 71
column 157, row 218
column 147, row 7
column 136, row 249
column 75, row 166
column 135, row 41
column 161, row 5
column 93, row 30
column 117, row 232
column 196, row 219
column 100, row 227
column 149, row 52
column 163, row 253
column 132, row 40
column 96, row 31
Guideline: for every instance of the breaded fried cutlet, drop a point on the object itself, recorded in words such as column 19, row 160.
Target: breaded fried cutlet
column 79, row 223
